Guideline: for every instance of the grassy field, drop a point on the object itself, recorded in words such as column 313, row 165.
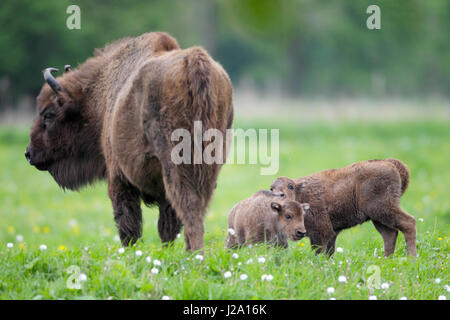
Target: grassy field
column 49, row 237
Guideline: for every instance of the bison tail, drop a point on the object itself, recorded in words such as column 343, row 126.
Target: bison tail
column 403, row 171
column 198, row 70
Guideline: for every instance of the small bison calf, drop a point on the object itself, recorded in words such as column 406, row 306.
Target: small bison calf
column 266, row 217
column 342, row 198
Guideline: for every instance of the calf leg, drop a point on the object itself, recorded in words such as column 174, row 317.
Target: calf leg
column 389, row 237
column 331, row 245
column 407, row 225
column 169, row 225
column 127, row 210
column 395, row 218
column 320, row 243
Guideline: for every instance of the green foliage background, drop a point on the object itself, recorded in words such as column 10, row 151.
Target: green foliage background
column 304, row 47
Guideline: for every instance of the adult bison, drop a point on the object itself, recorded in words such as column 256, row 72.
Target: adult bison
column 113, row 117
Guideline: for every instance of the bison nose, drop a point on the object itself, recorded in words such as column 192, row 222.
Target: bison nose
column 300, row 234
column 281, row 194
column 28, row 154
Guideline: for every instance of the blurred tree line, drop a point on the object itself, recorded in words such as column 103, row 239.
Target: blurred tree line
column 298, row 47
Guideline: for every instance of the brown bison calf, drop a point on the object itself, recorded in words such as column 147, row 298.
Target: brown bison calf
column 343, row 198
column 113, row 118
column 265, row 217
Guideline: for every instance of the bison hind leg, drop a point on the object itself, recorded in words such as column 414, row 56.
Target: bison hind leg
column 389, row 237
column 169, row 225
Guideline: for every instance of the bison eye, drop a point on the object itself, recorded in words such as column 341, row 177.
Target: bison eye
column 291, row 187
column 49, row 116
column 271, row 189
column 48, row 120
column 288, row 216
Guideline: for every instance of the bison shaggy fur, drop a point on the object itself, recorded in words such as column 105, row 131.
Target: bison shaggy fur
column 112, row 118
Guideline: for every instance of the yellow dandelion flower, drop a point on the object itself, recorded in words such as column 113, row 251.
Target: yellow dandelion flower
column 108, row 231
column 22, row 246
column 439, row 238
column 11, row 229
column 46, row 229
column 36, row 229
column 62, row 247
column 302, row 244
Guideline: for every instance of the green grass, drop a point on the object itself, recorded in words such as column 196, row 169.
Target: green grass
column 78, row 228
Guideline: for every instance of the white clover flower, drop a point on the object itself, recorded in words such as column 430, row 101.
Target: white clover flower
column 82, row 277
column 231, row 231
column 342, row 279
column 235, row 255
column 139, row 253
column 437, row 280
column 385, row 285
column 165, row 298
column 19, row 238
column 403, row 298
column 243, row 276
column 148, row 259
column 199, row 257
column 261, row 259
column 154, row 271
column 239, row 264
column 269, row 277
column 43, row 247
column 249, row 261
column 10, row 245
column 442, row 298
column 420, row 219
column 121, row 250
column 447, row 287
column 266, row 277
column 116, row 238
column 339, row 249
column 330, row 290
column 178, row 235
column 332, row 298
column 156, row 262
column 227, row 274
column 373, row 298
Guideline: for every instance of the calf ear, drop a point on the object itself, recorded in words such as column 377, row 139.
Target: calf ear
column 305, row 206
column 299, row 186
column 276, row 207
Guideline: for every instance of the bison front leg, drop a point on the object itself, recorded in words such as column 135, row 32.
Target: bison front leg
column 169, row 225
column 127, row 210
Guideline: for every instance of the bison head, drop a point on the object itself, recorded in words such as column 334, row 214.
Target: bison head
column 286, row 188
column 62, row 140
column 291, row 218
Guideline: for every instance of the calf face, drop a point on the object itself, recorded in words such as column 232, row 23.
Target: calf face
column 286, row 188
column 291, row 218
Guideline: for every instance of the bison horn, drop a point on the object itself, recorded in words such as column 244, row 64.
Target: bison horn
column 67, row 68
column 51, row 80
